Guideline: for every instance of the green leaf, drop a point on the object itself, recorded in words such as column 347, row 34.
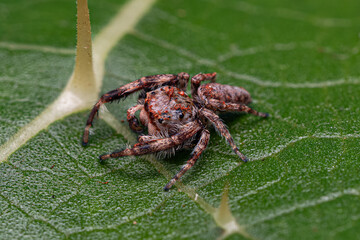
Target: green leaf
column 300, row 62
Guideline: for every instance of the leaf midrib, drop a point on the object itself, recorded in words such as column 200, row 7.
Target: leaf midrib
column 68, row 101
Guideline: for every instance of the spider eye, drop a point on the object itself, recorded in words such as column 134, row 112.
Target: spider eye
column 181, row 114
column 160, row 120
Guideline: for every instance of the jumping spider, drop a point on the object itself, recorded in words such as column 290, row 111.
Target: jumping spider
column 173, row 119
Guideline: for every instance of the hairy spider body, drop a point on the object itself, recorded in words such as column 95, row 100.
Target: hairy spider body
column 173, row 119
column 166, row 110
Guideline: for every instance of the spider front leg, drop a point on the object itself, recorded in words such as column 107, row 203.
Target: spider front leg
column 199, row 148
column 157, row 145
column 148, row 82
column 220, row 126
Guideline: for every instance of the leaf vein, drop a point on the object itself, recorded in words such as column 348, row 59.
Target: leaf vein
column 69, row 100
column 38, row 218
column 309, row 203
column 128, row 219
column 241, row 76
column 79, row 165
column 325, row 22
column 37, row 48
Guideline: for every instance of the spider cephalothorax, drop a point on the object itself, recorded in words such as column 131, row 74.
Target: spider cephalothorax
column 173, row 119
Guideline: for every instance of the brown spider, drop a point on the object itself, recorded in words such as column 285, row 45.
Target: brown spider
column 173, row 119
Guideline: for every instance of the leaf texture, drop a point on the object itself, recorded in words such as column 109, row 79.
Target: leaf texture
column 300, row 62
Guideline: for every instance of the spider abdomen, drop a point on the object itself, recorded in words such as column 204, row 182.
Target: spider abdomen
column 223, row 93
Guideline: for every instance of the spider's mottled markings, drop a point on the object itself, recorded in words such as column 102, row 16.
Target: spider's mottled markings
column 173, row 119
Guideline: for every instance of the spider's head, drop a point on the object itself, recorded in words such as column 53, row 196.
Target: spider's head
column 169, row 107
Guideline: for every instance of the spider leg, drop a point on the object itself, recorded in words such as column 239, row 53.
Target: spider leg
column 217, row 105
column 199, row 148
column 157, row 145
column 198, row 78
column 146, row 139
column 220, row 126
column 133, row 120
column 146, row 83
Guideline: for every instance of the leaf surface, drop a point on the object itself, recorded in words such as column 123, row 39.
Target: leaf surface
column 300, row 62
